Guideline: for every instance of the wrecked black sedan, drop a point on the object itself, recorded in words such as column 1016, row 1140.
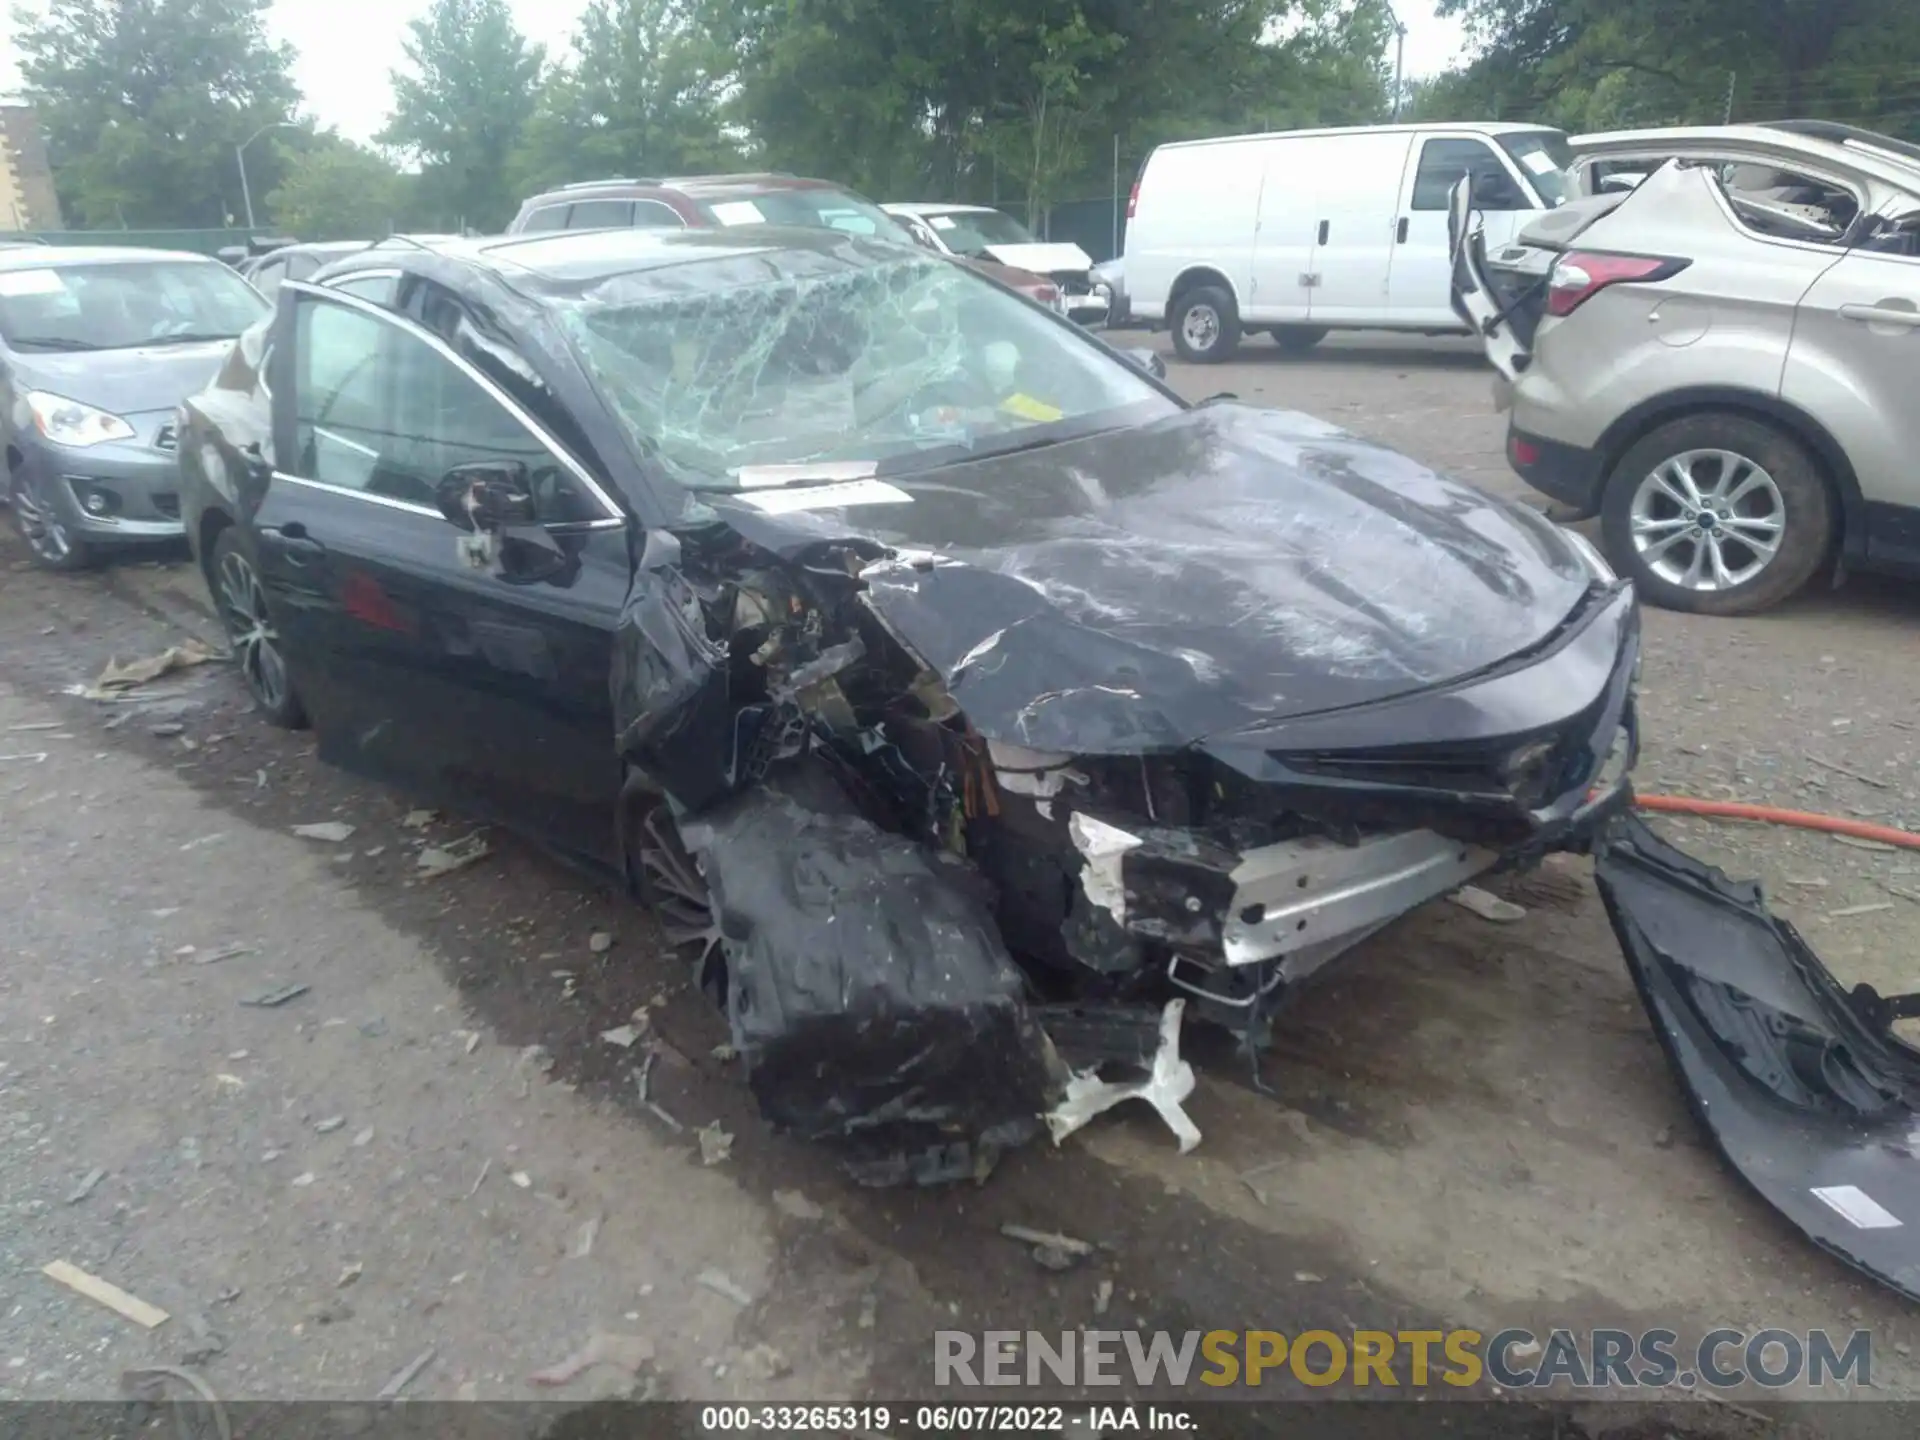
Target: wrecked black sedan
column 969, row 705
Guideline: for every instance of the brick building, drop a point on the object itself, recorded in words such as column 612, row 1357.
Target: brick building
column 27, row 199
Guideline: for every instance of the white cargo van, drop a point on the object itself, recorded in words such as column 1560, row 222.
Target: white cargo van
column 1308, row 231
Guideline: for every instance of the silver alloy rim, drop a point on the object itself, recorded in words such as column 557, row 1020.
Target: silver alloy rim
column 676, row 889
column 1201, row 327
column 40, row 523
column 256, row 644
column 1707, row 520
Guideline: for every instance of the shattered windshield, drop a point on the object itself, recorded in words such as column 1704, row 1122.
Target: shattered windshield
column 801, row 357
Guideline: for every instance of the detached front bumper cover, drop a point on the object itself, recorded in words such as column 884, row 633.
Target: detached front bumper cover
column 1803, row 1085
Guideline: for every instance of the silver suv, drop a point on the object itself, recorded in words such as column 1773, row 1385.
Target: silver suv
column 1716, row 349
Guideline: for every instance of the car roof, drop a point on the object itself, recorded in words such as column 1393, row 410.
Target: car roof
column 1472, row 127
column 694, row 187
column 46, row 257
column 1886, row 159
column 932, row 207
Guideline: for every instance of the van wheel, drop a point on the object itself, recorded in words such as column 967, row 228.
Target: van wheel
column 1206, row 325
column 1298, row 339
column 1718, row 514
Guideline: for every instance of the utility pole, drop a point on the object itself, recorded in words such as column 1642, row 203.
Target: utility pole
column 1399, row 58
column 1733, row 78
column 240, row 158
column 1116, row 192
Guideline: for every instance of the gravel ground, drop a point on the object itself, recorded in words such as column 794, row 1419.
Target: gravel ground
column 1471, row 1124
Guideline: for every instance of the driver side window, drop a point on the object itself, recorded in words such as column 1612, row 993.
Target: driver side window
column 1444, row 162
column 380, row 411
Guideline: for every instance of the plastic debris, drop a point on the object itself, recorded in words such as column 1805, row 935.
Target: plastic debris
column 1102, row 1297
column 716, row 1144
column 438, row 860
column 331, row 831
column 330, row 1124
column 1050, row 1250
column 621, row 1035
column 407, row 1374
column 363, row 1139
column 626, row 1352
column 480, row 1179
column 276, row 998
column 419, row 819
column 522, row 1179
column 86, row 1186
column 1166, row 1086
column 1490, row 908
column 117, row 677
column 721, row 1283
column 583, row 1239
column 129, row 1307
column 350, row 1274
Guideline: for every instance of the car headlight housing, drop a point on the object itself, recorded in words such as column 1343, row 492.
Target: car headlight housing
column 68, row 422
column 1591, row 557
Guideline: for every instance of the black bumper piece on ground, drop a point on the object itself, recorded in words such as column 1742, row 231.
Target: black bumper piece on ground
column 1803, row 1085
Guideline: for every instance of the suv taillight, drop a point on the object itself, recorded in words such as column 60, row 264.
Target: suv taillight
column 1580, row 275
column 1133, row 199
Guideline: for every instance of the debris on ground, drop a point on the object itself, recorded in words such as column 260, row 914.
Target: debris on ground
column 642, row 1081
column 85, row 1187
column 117, row 678
column 1166, row 1086
column 149, row 1384
column 363, row 1139
column 796, row 1206
column 621, row 1035
column 1307, row 1277
column 1490, row 908
column 1102, row 1297
column 29, row 757
column 1050, row 1249
column 723, row 1284
column 206, row 1342
column 103, row 1292
column 350, row 1274
column 630, row 1353
column 763, row 1362
column 407, row 1374
column 419, row 819
column 330, row 1124
column 273, row 999
column 480, row 1179
column 438, row 860
column 225, row 952
column 1855, row 911
column 166, row 730
column 716, row 1144
column 583, row 1239
column 521, row 1179
column 331, row 831
column 600, row 942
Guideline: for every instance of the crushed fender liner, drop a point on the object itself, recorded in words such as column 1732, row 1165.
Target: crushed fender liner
column 870, row 994
column 1803, row 1086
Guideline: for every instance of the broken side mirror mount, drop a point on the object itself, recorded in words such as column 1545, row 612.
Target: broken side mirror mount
column 1144, row 359
column 487, row 496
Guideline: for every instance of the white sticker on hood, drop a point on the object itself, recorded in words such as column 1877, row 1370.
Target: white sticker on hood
column 1856, row 1207
column 827, row 497
column 738, row 212
column 31, row 282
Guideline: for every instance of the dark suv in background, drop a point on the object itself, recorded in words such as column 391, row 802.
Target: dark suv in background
column 701, row 202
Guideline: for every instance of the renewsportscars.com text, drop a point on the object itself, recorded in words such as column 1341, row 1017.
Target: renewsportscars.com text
column 1370, row 1359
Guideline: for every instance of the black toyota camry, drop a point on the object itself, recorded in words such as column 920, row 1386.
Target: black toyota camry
column 965, row 701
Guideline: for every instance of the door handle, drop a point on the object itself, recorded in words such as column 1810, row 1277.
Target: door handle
column 1400, row 233
column 1881, row 314
column 290, row 541
column 1326, row 229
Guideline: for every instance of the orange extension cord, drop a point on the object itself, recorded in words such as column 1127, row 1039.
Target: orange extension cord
column 1770, row 815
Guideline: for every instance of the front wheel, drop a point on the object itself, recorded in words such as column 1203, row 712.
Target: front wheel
column 49, row 538
column 1718, row 514
column 252, row 634
column 1206, row 325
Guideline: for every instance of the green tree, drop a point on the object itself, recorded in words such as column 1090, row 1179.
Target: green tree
column 337, row 190
column 639, row 95
column 464, row 107
column 143, row 101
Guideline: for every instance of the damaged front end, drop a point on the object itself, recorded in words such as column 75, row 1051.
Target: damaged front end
column 1805, row 1087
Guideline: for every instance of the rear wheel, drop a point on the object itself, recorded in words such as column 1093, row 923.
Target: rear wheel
column 1298, row 339
column 50, row 540
column 254, row 637
column 1206, row 325
column 1718, row 514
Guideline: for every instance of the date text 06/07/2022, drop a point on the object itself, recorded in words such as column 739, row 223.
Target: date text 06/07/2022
column 941, row 1419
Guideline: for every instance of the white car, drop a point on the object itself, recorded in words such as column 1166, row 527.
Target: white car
column 979, row 232
column 1306, row 232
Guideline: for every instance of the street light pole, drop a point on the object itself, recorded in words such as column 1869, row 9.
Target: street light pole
column 240, row 158
column 1399, row 58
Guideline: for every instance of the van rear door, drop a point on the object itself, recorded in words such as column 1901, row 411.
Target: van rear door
column 1353, row 181
column 1283, row 247
column 1197, row 208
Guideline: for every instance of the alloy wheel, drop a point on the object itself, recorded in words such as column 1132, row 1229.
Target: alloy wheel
column 673, row 886
column 256, row 643
column 40, row 523
column 1200, row 328
column 1707, row 520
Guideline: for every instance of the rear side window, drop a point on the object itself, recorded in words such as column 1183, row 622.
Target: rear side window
column 547, row 217
column 600, row 215
column 1444, row 162
column 653, row 215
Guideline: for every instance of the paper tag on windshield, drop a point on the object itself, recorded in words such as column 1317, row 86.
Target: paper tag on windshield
column 941, row 222
column 1539, row 162
column 31, row 282
column 827, row 497
column 738, row 212
column 1856, row 1207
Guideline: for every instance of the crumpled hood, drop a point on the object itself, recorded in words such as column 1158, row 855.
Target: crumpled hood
column 1225, row 567
column 125, row 382
column 1042, row 257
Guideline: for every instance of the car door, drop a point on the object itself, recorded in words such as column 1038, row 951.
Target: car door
column 1422, row 263
column 1284, row 231
column 1854, row 362
column 479, row 681
column 1356, row 187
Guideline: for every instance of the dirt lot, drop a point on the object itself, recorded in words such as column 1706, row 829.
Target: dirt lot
column 1471, row 1124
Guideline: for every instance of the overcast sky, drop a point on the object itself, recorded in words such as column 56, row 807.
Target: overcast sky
column 346, row 48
